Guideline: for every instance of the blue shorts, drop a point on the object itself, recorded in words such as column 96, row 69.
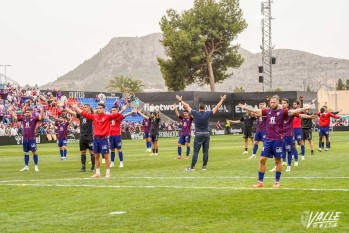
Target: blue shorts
column 324, row 131
column 272, row 148
column 146, row 135
column 62, row 142
column 298, row 134
column 288, row 142
column 183, row 139
column 100, row 146
column 29, row 145
column 115, row 142
column 259, row 136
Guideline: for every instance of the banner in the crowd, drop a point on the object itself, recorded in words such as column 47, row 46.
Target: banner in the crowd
column 230, row 109
column 40, row 139
column 162, row 134
column 254, row 98
column 89, row 94
column 18, row 139
column 164, row 101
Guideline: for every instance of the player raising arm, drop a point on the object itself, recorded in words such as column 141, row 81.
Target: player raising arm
column 273, row 144
column 101, row 124
column 29, row 123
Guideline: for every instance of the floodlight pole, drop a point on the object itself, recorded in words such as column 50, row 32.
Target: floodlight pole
column 266, row 45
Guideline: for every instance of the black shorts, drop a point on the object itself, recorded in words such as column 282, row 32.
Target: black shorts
column 154, row 137
column 86, row 143
column 307, row 134
column 248, row 133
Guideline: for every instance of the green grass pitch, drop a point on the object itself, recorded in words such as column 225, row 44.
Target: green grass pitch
column 155, row 194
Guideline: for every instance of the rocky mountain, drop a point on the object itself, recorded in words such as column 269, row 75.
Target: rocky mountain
column 137, row 57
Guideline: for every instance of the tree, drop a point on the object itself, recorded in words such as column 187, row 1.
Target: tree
column 347, row 84
column 238, row 89
column 198, row 43
column 124, row 84
column 340, row 85
column 135, row 86
column 118, row 83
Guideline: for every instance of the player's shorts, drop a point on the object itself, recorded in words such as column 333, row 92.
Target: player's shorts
column 287, row 143
column 29, row 145
column 101, row 146
column 183, row 139
column 324, row 131
column 115, row 142
column 259, row 136
column 62, row 142
column 307, row 134
column 154, row 137
column 248, row 133
column 86, row 143
column 298, row 134
column 146, row 135
column 272, row 148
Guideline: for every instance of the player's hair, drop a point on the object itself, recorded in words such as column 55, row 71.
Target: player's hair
column 29, row 109
column 102, row 105
column 322, row 110
column 186, row 111
column 89, row 106
column 285, row 99
column 202, row 106
column 296, row 101
column 275, row 97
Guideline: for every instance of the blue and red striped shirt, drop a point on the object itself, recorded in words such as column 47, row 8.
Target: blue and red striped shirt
column 29, row 126
column 288, row 126
column 62, row 129
column 147, row 125
column 275, row 123
column 261, row 123
column 186, row 125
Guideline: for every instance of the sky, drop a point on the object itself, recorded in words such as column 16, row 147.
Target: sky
column 41, row 40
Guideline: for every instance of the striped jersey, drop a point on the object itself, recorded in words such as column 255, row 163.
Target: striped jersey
column 147, row 125
column 62, row 128
column 186, row 124
column 288, row 126
column 261, row 123
column 29, row 125
column 275, row 123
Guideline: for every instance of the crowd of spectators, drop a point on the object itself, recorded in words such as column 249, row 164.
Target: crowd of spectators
column 52, row 102
column 21, row 98
column 340, row 122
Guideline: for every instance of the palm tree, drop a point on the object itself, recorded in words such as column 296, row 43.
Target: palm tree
column 135, row 86
column 118, row 84
column 125, row 84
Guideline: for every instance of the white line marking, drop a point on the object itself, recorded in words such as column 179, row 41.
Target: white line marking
column 175, row 187
column 184, row 177
column 117, row 212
